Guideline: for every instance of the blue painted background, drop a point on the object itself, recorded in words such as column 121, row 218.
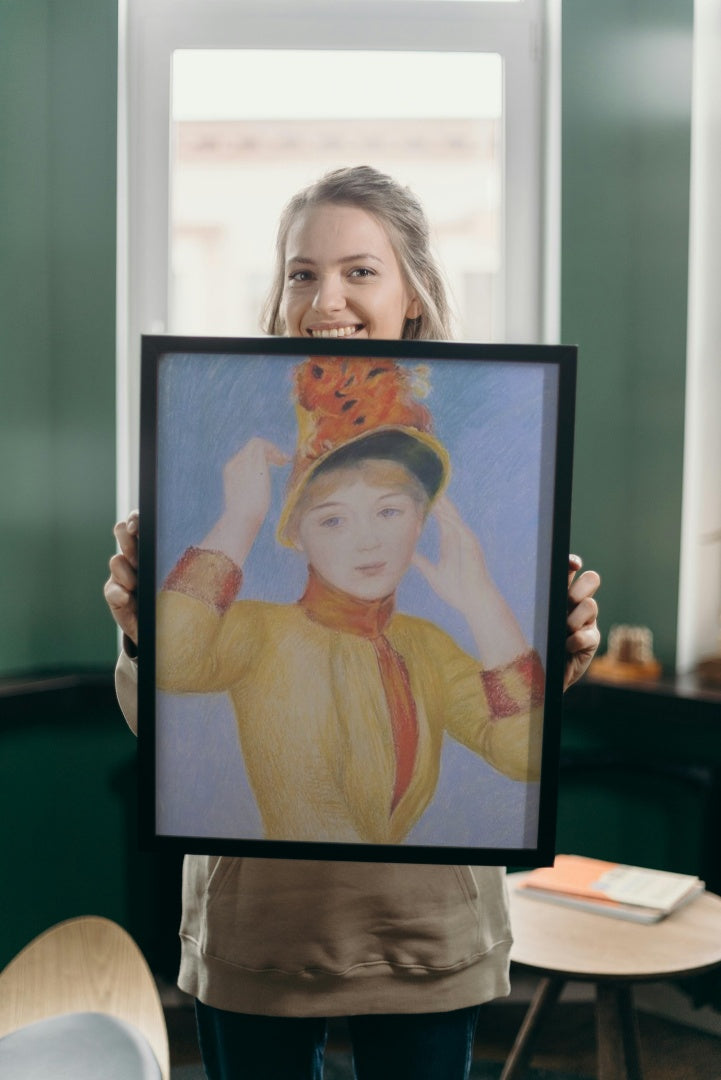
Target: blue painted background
column 495, row 418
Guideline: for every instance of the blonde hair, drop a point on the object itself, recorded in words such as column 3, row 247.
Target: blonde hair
column 402, row 216
column 377, row 472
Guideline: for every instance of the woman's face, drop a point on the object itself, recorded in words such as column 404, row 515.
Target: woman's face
column 342, row 277
column 360, row 537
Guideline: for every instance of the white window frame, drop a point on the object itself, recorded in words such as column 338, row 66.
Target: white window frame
column 526, row 34
column 699, row 597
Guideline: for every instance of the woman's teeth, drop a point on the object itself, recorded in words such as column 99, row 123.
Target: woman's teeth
column 336, row 332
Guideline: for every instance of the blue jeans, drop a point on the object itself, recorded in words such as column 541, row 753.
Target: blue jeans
column 414, row 1046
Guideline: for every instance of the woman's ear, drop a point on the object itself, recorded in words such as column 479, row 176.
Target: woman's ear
column 415, row 309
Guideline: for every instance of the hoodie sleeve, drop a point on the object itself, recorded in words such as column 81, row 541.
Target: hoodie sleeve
column 126, row 689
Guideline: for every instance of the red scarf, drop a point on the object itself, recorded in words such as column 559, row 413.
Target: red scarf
column 337, row 610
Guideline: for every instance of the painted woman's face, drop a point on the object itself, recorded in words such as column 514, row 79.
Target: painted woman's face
column 360, row 537
column 342, row 277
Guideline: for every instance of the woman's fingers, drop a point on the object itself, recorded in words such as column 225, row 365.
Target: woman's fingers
column 583, row 588
column 459, row 575
column 126, row 533
column 258, row 452
column 274, row 455
column 454, row 534
column 121, row 587
column 443, row 505
column 123, row 607
column 584, row 613
column 575, row 563
column 246, row 477
column 584, row 641
column 123, row 573
column 426, row 567
column 119, row 599
column 582, row 633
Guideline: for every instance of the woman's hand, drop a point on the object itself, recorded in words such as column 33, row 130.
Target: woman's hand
column 461, row 579
column 461, row 568
column 582, row 633
column 121, row 588
column 247, row 492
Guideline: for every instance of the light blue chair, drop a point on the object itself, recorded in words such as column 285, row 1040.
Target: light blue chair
column 80, row 1003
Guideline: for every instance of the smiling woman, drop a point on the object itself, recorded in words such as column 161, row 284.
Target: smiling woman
column 336, row 258
column 353, row 259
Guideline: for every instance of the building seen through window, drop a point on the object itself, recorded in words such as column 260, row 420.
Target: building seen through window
column 231, row 175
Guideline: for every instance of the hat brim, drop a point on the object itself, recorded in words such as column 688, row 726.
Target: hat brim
column 420, row 452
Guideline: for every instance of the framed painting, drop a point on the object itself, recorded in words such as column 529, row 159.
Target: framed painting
column 352, row 597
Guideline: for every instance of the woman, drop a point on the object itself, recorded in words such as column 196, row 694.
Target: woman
column 272, row 948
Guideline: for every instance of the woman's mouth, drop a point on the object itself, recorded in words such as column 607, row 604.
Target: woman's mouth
column 335, row 331
column 371, row 569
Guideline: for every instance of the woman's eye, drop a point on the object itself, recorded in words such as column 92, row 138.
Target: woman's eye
column 362, row 272
column 390, row 511
column 300, row 276
column 331, row 522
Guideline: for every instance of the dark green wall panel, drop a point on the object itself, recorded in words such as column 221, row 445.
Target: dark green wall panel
column 26, row 398
column 58, row 77
column 626, row 145
column 68, row 845
column 68, row 800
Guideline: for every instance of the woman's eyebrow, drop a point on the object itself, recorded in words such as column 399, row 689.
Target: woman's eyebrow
column 360, row 257
column 324, row 506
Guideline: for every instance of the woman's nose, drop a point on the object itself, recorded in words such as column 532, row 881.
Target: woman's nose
column 329, row 296
column 368, row 536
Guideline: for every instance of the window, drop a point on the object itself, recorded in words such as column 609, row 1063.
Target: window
column 236, row 160
column 227, row 107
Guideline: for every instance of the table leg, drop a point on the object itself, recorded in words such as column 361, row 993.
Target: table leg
column 545, row 997
column 617, row 1033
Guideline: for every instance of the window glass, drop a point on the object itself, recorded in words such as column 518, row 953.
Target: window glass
column 454, row 1
column 251, row 127
column 225, row 109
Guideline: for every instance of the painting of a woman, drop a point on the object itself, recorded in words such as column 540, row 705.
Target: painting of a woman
column 341, row 701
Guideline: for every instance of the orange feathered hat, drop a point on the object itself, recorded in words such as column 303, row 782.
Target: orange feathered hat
column 350, row 408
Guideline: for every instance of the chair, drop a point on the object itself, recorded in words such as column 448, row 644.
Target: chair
column 80, row 1002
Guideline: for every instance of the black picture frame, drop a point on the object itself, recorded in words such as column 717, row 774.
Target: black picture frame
column 505, row 413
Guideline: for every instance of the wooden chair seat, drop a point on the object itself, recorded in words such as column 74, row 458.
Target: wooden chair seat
column 85, row 965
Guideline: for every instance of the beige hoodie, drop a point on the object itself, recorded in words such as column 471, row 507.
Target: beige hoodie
column 300, row 938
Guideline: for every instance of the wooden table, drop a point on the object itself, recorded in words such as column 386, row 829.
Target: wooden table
column 563, row 944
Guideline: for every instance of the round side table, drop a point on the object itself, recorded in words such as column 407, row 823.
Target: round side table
column 563, row 944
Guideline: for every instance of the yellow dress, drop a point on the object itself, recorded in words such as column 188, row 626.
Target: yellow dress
column 313, row 712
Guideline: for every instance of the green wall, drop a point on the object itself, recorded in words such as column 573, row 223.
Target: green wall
column 58, row 71
column 69, row 813
column 626, row 135
column 67, row 764
column 626, row 146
